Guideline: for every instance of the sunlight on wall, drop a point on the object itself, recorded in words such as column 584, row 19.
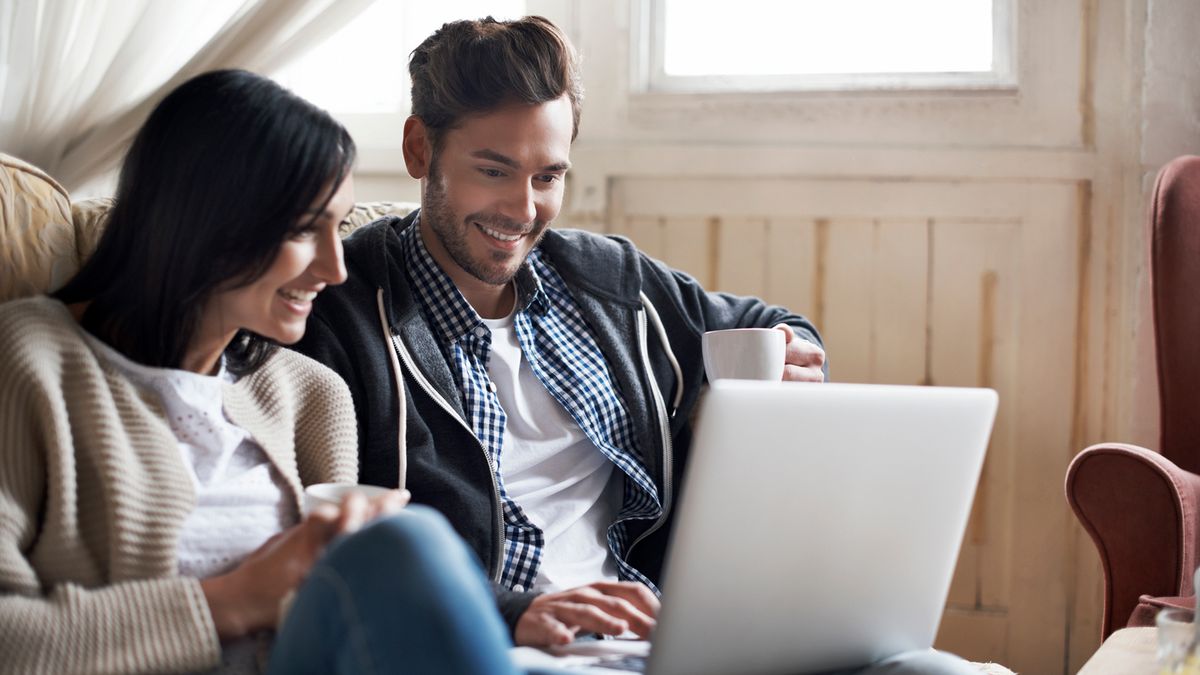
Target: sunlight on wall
column 364, row 67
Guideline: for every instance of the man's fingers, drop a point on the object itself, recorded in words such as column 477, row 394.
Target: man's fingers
column 629, row 602
column 787, row 330
column 588, row 617
column 619, row 608
column 804, row 353
column 801, row 353
column 793, row 373
column 605, row 607
column 639, row 595
column 558, row 633
column 540, row 628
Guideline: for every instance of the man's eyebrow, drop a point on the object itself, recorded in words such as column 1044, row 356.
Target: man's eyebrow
column 511, row 163
column 493, row 156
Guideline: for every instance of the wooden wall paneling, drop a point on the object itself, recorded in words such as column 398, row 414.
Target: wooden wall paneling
column 689, row 245
column 1043, row 404
column 740, row 255
column 793, row 263
column 899, row 265
column 645, row 231
column 810, row 197
column 972, row 288
column 847, row 315
column 1101, row 345
column 875, row 295
column 973, row 634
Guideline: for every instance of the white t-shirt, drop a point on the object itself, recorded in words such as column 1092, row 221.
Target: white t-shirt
column 560, row 479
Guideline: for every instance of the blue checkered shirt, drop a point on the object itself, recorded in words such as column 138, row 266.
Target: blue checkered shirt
column 564, row 356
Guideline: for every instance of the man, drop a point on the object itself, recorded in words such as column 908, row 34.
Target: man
column 532, row 384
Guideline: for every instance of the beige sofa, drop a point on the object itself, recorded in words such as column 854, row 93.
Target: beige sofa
column 44, row 237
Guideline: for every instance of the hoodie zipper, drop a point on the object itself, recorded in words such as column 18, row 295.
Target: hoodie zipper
column 402, row 351
column 661, row 410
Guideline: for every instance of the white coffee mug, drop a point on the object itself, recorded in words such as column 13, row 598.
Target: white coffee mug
column 333, row 493
column 744, row 354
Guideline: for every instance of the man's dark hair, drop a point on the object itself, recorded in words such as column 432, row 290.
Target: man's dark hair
column 472, row 67
column 221, row 174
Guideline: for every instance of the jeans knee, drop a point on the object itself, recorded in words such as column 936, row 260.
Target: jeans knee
column 416, row 527
column 416, row 537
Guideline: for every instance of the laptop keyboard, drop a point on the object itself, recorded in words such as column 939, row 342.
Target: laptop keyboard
column 634, row 664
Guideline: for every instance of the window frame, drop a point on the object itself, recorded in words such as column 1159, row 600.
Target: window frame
column 649, row 76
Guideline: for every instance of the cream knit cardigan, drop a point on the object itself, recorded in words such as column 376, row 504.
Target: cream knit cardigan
column 94, row 491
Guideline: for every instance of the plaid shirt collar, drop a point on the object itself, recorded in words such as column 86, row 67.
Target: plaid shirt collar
column 450, row 314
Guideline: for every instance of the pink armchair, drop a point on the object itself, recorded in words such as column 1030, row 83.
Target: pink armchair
column 1142, row 508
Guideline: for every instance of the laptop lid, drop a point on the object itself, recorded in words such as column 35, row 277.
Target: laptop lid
column 818, row 525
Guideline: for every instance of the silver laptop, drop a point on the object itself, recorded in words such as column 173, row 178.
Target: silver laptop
column 817, row 527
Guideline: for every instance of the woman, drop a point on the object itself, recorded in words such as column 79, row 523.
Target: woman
column 154, row 440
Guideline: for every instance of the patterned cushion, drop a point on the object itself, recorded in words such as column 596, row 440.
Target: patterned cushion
column 44, row 237
column 37, row 239
column 371, row 211
column 88, row 216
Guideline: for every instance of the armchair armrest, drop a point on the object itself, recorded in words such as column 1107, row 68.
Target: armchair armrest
column 1142, row 512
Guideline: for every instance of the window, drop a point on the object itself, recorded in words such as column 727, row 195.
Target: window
column 824, row 45
column 360, row 74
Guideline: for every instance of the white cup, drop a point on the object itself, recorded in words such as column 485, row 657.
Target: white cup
column 744, row 354
column 333, row 493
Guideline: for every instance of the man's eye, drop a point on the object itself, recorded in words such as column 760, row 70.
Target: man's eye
column 548, row 178
column 492, row 173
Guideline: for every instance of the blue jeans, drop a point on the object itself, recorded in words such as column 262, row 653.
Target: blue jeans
column 404, row 594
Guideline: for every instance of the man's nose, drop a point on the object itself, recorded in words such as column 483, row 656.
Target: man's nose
column 520, row 204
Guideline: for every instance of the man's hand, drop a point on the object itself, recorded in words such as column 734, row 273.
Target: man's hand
column 802, row 360
column 607, row 607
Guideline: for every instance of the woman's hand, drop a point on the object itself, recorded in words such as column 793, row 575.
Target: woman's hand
column 247, row 598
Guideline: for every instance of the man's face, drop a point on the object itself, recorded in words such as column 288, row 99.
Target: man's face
column 493, row 187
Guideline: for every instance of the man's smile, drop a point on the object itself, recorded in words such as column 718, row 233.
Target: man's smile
column 497, row 234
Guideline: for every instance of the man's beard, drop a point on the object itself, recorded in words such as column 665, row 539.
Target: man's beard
column 452, row 232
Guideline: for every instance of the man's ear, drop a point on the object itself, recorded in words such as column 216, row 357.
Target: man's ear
column 418, row 150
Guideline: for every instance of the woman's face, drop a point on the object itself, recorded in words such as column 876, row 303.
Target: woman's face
column 277, row 304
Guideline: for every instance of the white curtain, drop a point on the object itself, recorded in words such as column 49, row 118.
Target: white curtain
column 78, row 77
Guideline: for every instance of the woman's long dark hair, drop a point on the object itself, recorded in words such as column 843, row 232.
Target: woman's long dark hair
column 223, row 171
